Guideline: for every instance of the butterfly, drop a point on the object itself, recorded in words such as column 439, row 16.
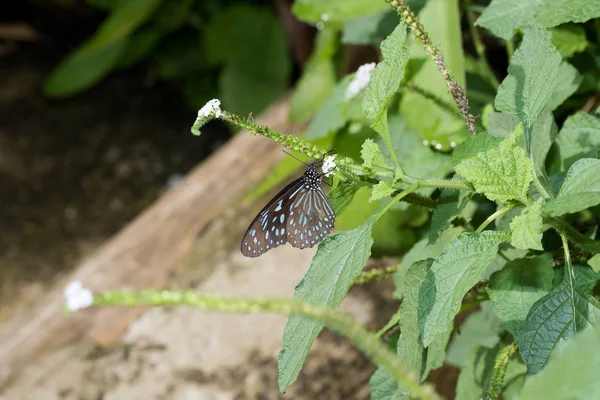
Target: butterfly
column 299, row 214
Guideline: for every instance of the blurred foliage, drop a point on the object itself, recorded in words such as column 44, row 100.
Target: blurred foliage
column 234, row 50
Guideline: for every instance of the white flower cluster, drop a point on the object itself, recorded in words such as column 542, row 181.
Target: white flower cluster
column 329, row 165
column 212, row 107
column 78, row 297
column 360, row 81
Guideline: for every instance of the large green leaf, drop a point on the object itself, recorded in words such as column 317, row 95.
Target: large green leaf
column 516, row 287
column 527, row 228
column 453, row 273
column 411, row 351
column 422, row 250
column 542, row 135
column 531, row 77
column 571, row 373
column 100, row 54
column 383, row 386
column 503, row 17
column 385, row 81
column 234, row 36
column 567, row 83
column 335, row 10
column 368, row 28
column 481, row 328
column 476, row 376
column 578, row 138
column 338, row 262
column 329, row 118
column 580, row 189
column 501, row 173
column 569, row 39
column 449, row 206
column 557, row 316
column 318, row 78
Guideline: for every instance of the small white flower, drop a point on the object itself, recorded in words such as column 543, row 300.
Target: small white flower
column 324, row 17
column 212, row 107
column 452, row 144
column 329, row 165
column 360, row 81
column 320, row 25
column 425, row 142
column 438, row 146
column 78, row 297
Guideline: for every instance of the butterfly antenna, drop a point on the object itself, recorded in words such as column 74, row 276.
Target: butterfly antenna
column 294, row 157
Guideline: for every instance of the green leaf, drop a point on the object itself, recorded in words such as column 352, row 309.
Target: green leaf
column 555, row 317
column 501, row 173
column 453, row 273
column 416, row 159
column 341, row 196
column 527, row 228
column 481, row 328
column 381, row 190
column 100, row 54
column 474, row 145
column 501, row 125
column 411, row 351
column 234, row 36
column 338, row 262
column 578, row 138
column 83, row 69
column 503, row 17
column 371, row 154
column 369, row 28
column 568, row 81
column 531, row 77
column 449, row 206
column 329, row 118
column 585, row 277
column 476, row 376
column 334, row 10
column 385, row 81
column 318, row 79
column 580, row 190
column 422, row 250
column 383, row 386
column 569, row 39
column 543, row 134
column 571, row 373
column 594, row 263
column 516, row 288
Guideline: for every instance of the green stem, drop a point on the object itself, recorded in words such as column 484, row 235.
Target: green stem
column 337, row 321
column 375, row 274
column 445, row 184
column 571, row 274
column 397, row 198
column 390, row 324
column 578, row 239
column 492, row 217
column 499, row 371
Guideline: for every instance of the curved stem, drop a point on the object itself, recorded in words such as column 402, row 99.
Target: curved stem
column 398, row 197
column 337, row 321
column 492, row 217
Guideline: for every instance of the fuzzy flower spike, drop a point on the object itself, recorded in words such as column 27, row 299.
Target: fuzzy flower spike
column 329, row 165
column 78, row 297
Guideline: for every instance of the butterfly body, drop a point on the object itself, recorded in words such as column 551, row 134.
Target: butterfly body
column 299, row 214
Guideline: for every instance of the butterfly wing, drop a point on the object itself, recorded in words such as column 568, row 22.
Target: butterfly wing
column 268, row 229
column 311, row 218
